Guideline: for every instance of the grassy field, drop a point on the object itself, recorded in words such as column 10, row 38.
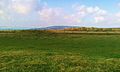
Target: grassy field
column 49, row 52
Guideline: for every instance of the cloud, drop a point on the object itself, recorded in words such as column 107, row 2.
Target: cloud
column 56, row 15
column 72, row 19
column 1, row 8
column 95, row 13
column 49, row 13
column 4, row 9
column 85, row 10
column 1, row 12
column 117, row 15
column 39, row 12
column 22, row 6
column 99, row 19
column 81, row 14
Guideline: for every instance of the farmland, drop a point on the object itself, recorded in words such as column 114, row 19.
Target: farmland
column 41, row 51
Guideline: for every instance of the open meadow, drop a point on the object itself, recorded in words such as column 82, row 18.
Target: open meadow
column 40, row 51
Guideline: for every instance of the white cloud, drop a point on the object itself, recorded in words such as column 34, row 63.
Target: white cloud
column 22, row 6
column 1, row 12
column 99, row 19
column 72, row 19
column 49, row 14
column 90, row 10
column 95, row 13
column 117, row 14
column 79, row 16
column 57, row 16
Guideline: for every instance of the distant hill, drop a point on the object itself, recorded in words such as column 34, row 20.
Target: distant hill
column 43, row 28
column 54, row 28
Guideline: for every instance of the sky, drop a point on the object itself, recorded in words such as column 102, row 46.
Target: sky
column 44, row 13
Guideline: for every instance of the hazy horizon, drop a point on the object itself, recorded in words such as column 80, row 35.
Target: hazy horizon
column 44, row 13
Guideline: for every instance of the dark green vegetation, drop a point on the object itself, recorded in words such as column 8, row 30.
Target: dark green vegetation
column 39, row 51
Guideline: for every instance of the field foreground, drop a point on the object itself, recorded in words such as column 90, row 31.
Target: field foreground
column 49, row 52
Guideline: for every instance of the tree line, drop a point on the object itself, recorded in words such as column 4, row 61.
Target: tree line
column 93, row 29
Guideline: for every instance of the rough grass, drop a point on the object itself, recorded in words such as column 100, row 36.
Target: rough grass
column 36, row 61
column 47, row 52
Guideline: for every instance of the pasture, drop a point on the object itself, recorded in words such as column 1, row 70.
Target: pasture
column 41, row 51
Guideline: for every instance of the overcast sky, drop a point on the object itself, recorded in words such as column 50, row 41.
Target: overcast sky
column 43, row 13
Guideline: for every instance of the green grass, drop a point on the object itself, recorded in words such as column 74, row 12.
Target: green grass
column 48, row 52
